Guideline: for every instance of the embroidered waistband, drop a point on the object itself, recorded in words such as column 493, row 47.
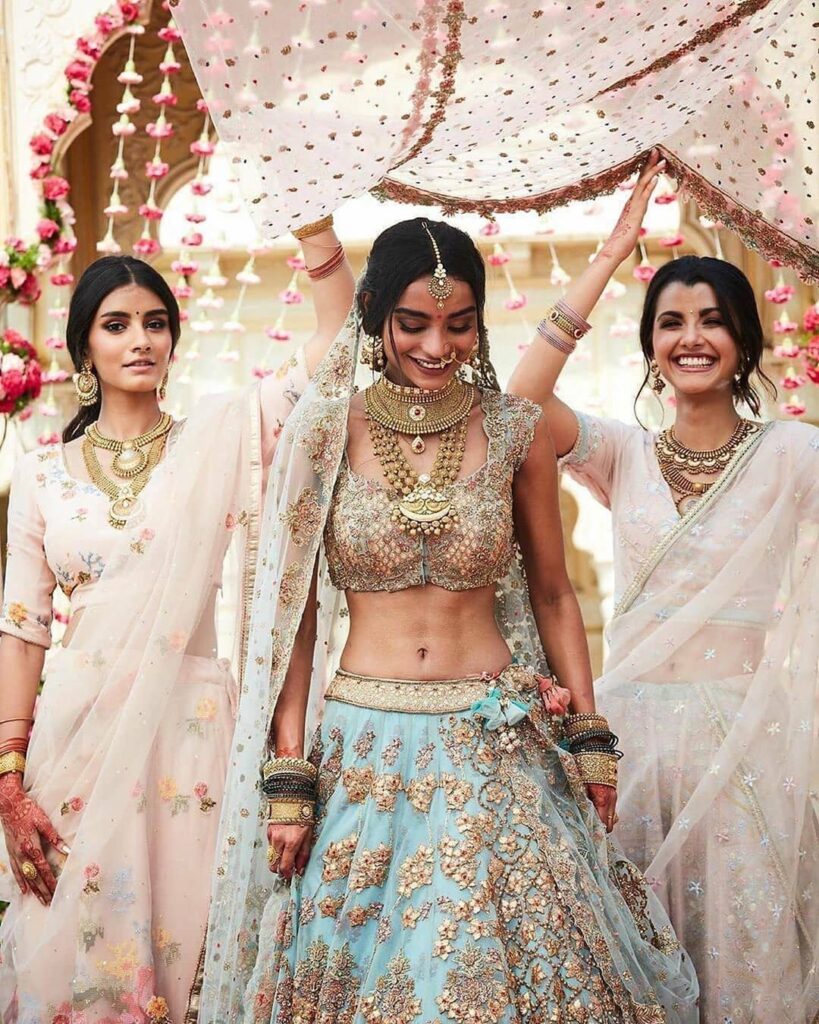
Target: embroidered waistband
column 420, row 697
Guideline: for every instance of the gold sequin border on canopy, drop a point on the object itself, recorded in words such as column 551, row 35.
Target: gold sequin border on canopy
column 755, row 233
column 420, row 697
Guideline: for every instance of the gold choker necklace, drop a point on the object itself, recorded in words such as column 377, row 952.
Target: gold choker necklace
column 131, row 463
column 675, row 460
column 129, row 459
column 414, row 411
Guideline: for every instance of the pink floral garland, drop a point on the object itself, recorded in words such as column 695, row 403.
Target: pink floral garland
column 21, row 262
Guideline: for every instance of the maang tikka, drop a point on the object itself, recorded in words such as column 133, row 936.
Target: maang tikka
column 440, row 285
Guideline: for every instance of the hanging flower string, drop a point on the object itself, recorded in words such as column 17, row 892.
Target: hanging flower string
column 796, row 342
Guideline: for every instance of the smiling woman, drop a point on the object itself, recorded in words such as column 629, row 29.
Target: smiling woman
column 711, row 674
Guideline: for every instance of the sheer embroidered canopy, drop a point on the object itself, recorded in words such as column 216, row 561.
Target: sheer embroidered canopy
column 494, row 106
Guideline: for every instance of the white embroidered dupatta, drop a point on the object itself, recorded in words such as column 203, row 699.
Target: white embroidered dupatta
column 727, row 606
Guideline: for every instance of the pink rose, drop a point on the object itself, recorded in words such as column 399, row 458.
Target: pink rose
column 55, row 124
column 76, row 803
column 105, row 24
column 30, row 291
column 810, row 321
column 200, row 790
column 80, row 101
column 150, row 212
column 291, row 297
column 813, row 373
column 193, row 239
column 64, row 246
column 203, row 147
column 47, row 228
column 89, row 48
column 62, row 280
column 13, row 242
column 91, row 872
column 182, row 291
column 40, row 171
column 78, row 71
column 14, row 384
column 277, row 333
column 156, row 168
column 41, row 144
column 18, row 276
column 55, row 188
column 780, row 293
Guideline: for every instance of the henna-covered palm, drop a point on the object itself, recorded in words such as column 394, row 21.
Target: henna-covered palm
column 623, row 238
column 26, row 825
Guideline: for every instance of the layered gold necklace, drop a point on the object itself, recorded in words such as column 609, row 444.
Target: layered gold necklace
column 676, row 460
column 422, row 506
column 134, row 461
column 415, row 412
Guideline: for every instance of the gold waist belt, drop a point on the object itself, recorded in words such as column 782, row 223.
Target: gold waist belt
column 437, row 697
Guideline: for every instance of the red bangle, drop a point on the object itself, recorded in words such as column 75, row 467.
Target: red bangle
column 330, row 266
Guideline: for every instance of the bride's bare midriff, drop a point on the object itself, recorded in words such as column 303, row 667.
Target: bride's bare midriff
column 424, row 633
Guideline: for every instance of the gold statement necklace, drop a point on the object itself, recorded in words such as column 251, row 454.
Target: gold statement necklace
column 422, row 506
column 134, row 461
column 676, row 460
column 415, row 412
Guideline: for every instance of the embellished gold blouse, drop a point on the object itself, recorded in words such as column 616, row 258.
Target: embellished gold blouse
column 367, row 552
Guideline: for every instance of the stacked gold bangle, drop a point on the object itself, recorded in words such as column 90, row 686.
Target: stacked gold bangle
column 289, row 783
column 597, row 769
column 591, row 730
column 316, row 228
column 13, row 761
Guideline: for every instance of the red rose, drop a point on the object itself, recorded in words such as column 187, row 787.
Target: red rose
column 55, row 188
column 78, row 71
column 41, row 144
column 130, row 12
column 55, row 124
column 80, row 101
column 47, row 228
column 30, row 291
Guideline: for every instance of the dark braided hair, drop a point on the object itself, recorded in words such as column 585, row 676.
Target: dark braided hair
column 737, row 306
column 400, row 255
column 99, row 279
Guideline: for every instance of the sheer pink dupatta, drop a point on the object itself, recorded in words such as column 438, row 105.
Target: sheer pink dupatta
column 727, row 605
column 106, row 697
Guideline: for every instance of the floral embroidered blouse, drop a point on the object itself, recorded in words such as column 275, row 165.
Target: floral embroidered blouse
column 58, row 529
column 366, row 552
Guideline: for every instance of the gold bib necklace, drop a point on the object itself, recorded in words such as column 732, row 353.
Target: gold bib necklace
column 415, row 412
column 134, row 461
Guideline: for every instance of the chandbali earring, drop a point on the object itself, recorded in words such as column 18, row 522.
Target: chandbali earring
column 86, row 384
column 372, row 353
column 162, row 390
column 657, row 382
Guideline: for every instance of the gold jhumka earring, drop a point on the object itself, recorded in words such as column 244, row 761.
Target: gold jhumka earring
column 162, row 390
column 440, row 285
column 372, row 353
column 86, row 384
column 657, row 382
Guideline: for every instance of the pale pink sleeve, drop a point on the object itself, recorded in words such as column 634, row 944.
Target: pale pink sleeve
column 278, row 394
column 29, row 582
column 595, row 458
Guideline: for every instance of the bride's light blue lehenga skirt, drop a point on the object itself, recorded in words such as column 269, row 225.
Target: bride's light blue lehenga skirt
column 459, row 874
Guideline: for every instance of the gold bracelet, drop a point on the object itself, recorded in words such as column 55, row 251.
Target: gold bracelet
column 289, row 766
column 288, row 812
column 573, row 725
column 316, row 228
column 597, row 769
column 13, row 761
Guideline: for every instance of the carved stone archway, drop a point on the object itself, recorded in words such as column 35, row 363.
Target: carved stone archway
column 90, row 153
